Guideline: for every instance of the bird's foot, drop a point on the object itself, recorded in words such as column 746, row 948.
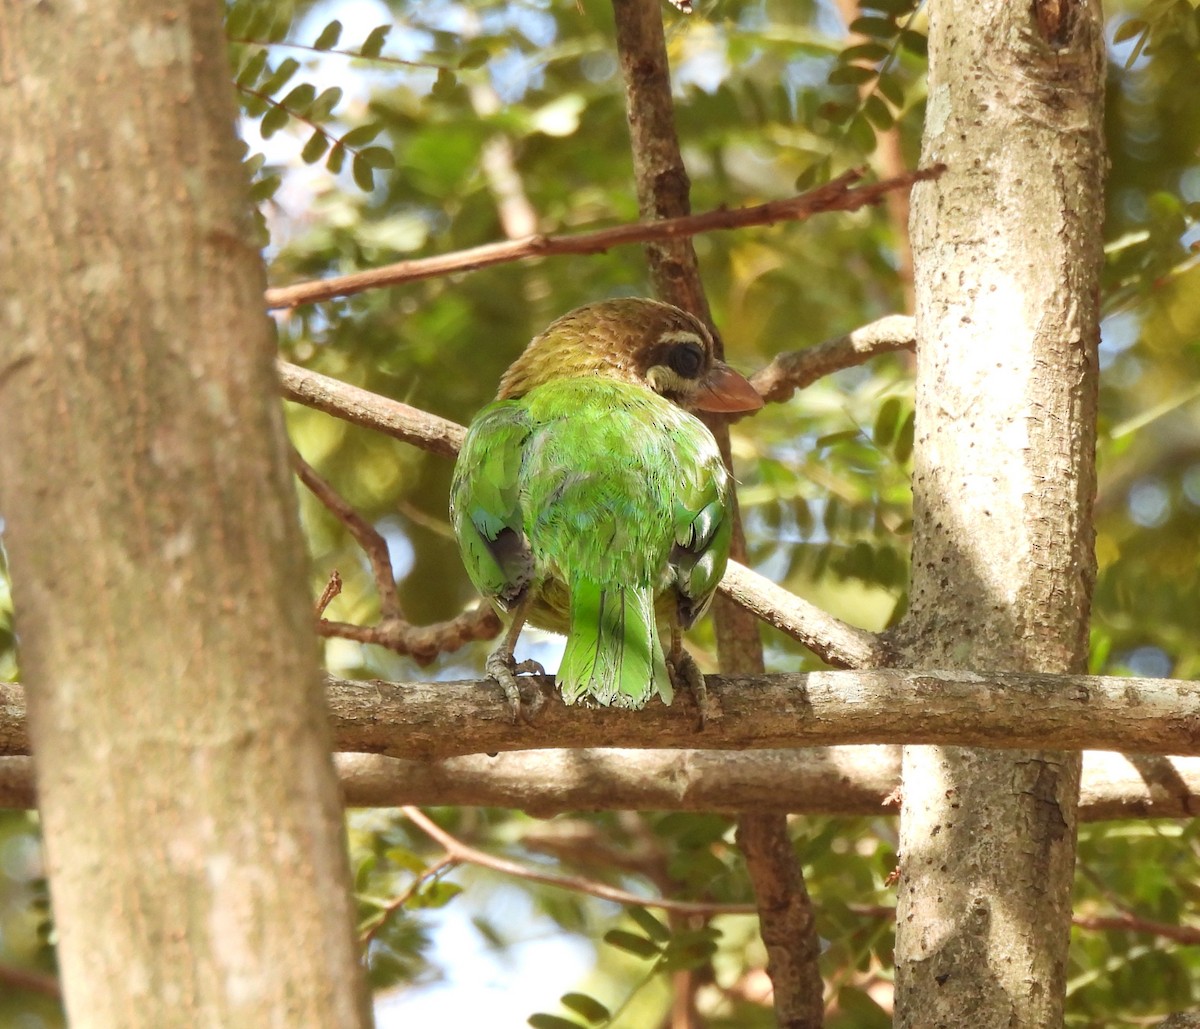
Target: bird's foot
column 685, row 672
column 504, row 668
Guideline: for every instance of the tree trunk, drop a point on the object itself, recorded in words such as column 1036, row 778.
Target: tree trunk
column 1008, row 251
column 193, row 828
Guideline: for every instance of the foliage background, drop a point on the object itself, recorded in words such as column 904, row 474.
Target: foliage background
column 487, row 119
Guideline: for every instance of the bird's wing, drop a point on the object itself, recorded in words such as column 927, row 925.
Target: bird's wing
column 485, row 506
column 703, row 524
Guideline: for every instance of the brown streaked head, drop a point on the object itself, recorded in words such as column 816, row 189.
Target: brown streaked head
column 633, row 339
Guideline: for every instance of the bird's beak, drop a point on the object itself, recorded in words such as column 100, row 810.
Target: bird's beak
column 723, row 389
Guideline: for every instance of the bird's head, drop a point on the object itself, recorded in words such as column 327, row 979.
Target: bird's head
column 635, row 340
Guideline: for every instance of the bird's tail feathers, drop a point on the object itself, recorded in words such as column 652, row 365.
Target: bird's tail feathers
column 613, row 655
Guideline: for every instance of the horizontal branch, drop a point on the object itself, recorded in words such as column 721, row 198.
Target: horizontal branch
column 425, row 720
column 808, row 780
column 839, row 195
column 795, row 369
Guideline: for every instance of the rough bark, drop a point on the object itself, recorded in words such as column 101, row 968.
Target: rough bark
column 193, row 828
column 1008, row 250
column 860, row 780
column 428, row 720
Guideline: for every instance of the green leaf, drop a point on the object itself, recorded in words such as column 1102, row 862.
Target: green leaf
column 364, row 175
column 1128, row 29
column 892, row 88
column 274, row 120
column 881, row 28
column 588, row 1007
column 298, row 100
column 279, row 77
column 373, row 44
column 264, row 188
column 237, row 19
column 815, row 174
column 543, row 1021
column 896, row 8
column 474, row 59
column 851, row 75
column 631, row 943
column 436, row 895
column 315, row 148
column 650, row 925
column 444, row 85
column 329, row 36
column 322, row 107
column 904, row 440
column 861, row 135
column 361, row 135
column 252, row 69
column 692, row 955
column 915, row 42
column 878, row 112
column 864, row 52
column 378, row 157
column 336, row 158
column 835, row 112
column 886, row 422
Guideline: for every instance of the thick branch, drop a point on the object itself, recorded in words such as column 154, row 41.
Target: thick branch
column 795, row 369
column 812, row 781
column 839, row 195
column 1007, row 710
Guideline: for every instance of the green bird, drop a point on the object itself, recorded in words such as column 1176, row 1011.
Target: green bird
column 588, row 501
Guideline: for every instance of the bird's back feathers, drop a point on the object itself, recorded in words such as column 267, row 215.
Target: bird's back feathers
column 602, row 498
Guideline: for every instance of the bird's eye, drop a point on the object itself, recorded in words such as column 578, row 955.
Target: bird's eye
column 686, row 360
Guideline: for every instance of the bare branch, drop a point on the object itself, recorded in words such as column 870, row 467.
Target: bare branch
column 839, row 195
column 1188, row 934
column 786, row 918
column 370, row 410
column 13, row 977
column 796, row 369
column 461, row 852
column 834, row 641
column 421, row 642
column 1002, row 710
column 852, row 780
column 365, row 535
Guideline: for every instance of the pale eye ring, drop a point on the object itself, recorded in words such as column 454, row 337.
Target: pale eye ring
column 686, row 360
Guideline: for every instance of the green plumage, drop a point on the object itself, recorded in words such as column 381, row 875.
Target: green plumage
column 606, row 507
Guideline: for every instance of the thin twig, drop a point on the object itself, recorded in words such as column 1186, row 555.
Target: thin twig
column 386, row 911
column 838, row 195
column 30, row 979
column 466, row 854
column 420, row 642
column 332, row 588
column 365, row 535
column 795, row 369
column 1186, row 934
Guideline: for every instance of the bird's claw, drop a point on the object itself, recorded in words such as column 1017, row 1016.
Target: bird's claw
column 685, row 672
column 504, row 669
